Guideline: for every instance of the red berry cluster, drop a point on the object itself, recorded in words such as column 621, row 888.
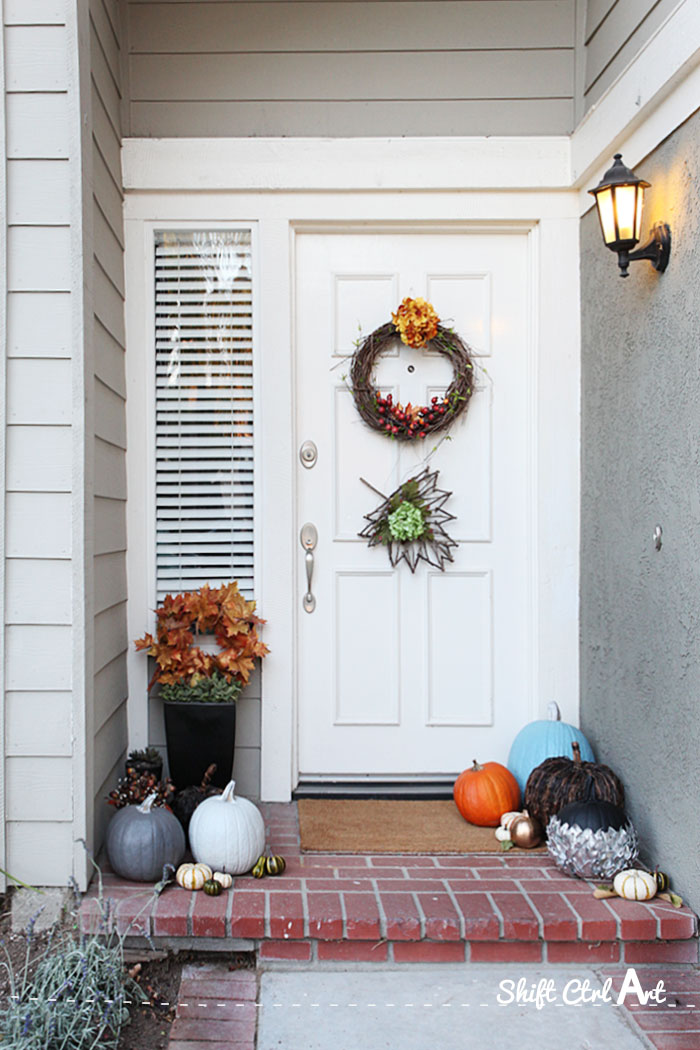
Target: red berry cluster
column 411, row 421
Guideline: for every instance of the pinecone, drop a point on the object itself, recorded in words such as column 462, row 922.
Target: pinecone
column 136, row 787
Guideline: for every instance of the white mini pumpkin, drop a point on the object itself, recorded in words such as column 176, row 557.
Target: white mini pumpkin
column 192, row 876
column 223, row 879
column 635, row 885
column 227, row 832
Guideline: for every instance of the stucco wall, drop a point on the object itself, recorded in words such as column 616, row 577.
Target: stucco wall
column 640, row 610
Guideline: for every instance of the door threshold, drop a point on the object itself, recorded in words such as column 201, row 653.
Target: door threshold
column 428, row 789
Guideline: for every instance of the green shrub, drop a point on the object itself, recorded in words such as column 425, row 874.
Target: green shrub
column 213, row 690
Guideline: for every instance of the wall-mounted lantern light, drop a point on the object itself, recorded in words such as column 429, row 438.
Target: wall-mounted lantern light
column 619, row 197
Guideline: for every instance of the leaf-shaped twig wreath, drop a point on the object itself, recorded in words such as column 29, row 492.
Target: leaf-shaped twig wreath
column 410, row 522
column 418, row 325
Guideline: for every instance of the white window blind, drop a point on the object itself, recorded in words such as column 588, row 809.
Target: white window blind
column 204, row 410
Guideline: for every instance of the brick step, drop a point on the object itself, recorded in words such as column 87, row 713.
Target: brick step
column 389, row 908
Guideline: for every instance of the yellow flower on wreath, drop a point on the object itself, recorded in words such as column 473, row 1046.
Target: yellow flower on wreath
column 416, row 322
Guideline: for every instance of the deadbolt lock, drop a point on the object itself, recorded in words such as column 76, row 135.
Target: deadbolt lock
column 308, row 454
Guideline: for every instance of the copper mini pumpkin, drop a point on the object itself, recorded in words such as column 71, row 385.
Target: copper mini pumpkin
column 526, row 832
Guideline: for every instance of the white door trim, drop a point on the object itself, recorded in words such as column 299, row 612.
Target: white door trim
column 552, row 219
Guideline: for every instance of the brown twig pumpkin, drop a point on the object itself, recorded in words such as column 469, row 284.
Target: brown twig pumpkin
column 187, row 800
column 558, row 781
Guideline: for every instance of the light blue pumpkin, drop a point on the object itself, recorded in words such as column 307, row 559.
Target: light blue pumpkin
column 546, row 738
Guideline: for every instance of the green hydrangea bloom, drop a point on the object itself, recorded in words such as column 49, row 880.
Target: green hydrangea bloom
column 406, row 522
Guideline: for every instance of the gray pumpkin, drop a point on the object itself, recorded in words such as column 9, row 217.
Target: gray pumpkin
column 141, row 839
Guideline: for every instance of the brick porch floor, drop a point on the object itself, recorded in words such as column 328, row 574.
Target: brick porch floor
column 402, row 909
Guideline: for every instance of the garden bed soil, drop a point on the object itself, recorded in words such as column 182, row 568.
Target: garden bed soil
column 14, row 946
column 149, row 1028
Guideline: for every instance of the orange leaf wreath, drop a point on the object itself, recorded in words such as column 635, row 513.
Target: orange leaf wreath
column 223, row 612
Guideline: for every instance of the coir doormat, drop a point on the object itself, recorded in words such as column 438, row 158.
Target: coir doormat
column 379, row 826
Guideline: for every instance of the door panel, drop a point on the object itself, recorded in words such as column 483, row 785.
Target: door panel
column 403, row 674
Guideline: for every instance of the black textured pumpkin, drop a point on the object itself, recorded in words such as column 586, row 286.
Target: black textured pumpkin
column 187, row 800
column 212, row 888
column 556, row 782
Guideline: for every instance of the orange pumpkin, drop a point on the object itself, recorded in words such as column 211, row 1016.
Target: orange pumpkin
column 483, row 793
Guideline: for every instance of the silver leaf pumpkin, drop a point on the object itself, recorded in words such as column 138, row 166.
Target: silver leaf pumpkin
column 592, row 840
column 141, row 839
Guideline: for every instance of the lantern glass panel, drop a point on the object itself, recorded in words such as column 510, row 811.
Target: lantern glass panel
column 604, row 200
column 626, row 209
column 638, row 218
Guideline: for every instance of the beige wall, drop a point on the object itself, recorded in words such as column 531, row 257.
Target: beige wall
column 615, row 31
column 336, row 68
column 107, row 529
column 63, row 560
column 41, row 157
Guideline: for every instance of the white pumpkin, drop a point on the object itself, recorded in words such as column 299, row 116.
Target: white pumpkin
column 635, row 885
column 227, row 832
column 502, row 834
column 508, row 818
column 223, row 879
column 192, row 876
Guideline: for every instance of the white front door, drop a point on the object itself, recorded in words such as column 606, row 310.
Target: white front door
column 408, row 675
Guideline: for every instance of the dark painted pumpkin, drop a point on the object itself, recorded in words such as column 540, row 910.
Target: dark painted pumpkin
column 593, row 814
column 212, row 888
column 141, row 839
column 558, row 781
column 592, row 838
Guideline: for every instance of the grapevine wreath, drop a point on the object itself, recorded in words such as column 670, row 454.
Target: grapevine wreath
column 418, row 325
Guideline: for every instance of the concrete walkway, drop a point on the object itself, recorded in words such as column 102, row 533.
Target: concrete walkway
column 421, row 1007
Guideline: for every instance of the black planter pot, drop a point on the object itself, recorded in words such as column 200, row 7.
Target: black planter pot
column 197, row 735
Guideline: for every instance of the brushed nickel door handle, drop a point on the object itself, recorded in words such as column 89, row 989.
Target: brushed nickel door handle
column 309, row 539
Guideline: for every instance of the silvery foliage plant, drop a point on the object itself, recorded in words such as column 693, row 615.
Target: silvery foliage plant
column 73, row 993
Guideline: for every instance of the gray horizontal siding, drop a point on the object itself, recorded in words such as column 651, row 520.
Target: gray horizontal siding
column 616, row 30
column 351, row 68
column 37, row 438
column 109, row 628
column 359, row 26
